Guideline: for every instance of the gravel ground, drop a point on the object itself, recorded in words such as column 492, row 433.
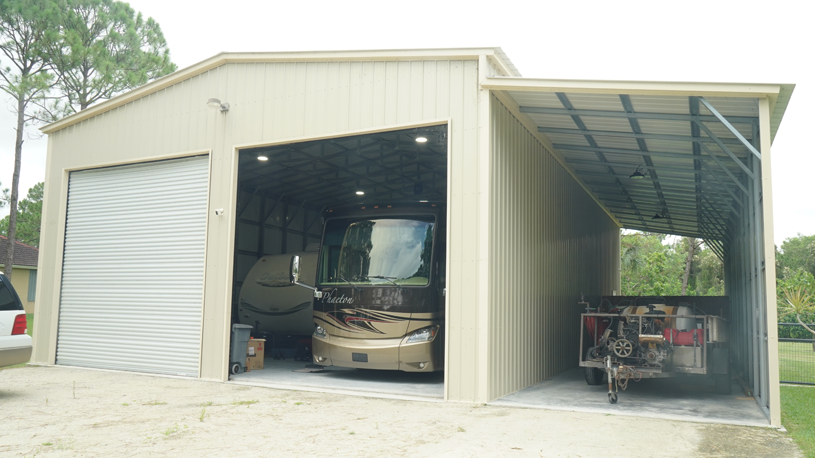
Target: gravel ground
column 58, row 411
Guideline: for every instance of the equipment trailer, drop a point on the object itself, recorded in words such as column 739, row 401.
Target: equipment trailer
column 652, row 341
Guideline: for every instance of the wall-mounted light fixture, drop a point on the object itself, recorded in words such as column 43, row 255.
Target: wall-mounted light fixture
column 637, row 175
column 216, row 103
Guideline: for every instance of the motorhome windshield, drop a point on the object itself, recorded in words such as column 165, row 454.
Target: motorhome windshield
column 386, row 251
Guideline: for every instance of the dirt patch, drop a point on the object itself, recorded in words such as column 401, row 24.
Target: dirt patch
column 56, row 411
column 733, row 441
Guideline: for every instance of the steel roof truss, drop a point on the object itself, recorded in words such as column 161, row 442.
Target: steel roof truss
column 710, row 172
column 724, row 148
column 564, row 100
column 730, row 127
column 726, row 170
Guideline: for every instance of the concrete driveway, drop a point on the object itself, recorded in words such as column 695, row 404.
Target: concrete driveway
column 59, row 411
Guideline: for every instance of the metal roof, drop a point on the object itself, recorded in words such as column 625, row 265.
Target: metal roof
column 691, row 142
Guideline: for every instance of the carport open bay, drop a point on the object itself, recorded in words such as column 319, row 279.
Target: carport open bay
column 653, row 398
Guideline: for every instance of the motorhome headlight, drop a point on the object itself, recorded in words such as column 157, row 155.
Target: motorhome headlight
column 423, row 335
column 319, row 331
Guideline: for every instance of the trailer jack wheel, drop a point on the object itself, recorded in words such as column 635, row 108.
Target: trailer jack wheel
column 612, row 398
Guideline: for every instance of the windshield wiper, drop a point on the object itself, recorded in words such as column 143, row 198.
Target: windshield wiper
column 352, row 285
column 388, row 279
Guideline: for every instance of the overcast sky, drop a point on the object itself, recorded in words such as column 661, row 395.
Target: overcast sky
column 730, row 41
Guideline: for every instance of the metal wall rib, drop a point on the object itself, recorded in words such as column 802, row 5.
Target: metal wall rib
column 549, row 243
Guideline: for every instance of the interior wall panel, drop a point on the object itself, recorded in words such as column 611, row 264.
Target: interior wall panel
column 549, row 244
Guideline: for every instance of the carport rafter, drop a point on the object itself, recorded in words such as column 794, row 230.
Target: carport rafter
column 621, row 151
column 679, row 207
column 633, row 115
column 669, row 197
column 611, row 133
column 657, row 229
column 564, row 100
column 730, row 127
column 635, row 127
column 673, row 167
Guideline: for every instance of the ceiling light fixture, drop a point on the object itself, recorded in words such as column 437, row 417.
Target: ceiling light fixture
column 637, row 175
column 360, row 193
column 263, row 158
column 216, row 103
column 421, row 139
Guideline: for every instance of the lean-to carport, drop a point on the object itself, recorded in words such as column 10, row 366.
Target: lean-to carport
column 690, row 159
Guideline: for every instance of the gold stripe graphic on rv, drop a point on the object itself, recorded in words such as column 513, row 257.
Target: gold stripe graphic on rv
column 361, row 320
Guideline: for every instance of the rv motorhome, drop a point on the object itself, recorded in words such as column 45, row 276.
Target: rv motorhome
column 379, row 292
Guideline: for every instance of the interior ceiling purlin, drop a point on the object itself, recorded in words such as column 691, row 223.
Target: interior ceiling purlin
column 694, row 161
column 386, row 166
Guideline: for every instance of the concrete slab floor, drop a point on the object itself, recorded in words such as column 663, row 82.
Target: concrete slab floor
column 652, row 398
column 387, row 384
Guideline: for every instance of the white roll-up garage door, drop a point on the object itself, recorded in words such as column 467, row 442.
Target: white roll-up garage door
column 133, row 268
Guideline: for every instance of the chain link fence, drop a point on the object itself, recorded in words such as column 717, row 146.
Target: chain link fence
column 796, row 354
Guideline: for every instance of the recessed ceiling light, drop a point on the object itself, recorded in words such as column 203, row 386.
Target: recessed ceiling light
column 263, row 158
column 422, row 201
column 360, row 193
column 421, row 139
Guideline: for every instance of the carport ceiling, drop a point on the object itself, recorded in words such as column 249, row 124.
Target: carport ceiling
column 694, row 164
column 387, row 166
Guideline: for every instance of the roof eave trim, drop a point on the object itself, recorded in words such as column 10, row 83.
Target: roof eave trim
column 632, row 87
column 261, row 57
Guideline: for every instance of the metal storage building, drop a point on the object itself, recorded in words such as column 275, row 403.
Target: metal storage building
column 141, row 203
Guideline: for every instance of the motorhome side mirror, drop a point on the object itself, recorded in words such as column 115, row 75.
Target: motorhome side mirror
column 294, row 270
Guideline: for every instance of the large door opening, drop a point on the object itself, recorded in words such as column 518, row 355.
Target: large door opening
column 366, row 217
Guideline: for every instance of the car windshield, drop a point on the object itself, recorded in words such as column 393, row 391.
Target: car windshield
column 8, row 299
column 377, row 251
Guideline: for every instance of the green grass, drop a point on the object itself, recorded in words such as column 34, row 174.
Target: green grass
column 796, row 362
column 798, row 416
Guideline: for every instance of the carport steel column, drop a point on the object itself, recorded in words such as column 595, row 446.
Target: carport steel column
column 769, row 263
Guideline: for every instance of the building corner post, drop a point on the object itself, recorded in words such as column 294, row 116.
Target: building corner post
column 769, row 264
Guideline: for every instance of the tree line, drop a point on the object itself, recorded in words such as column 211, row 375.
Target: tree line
column 58, row 57
column 650, row 266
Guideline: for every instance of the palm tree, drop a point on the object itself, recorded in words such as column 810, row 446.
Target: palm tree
column 800, row 301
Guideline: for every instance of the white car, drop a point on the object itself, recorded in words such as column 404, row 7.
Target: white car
column 15, row 343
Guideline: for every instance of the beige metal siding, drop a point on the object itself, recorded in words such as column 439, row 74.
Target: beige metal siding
column 549, row 242
column 274, row 102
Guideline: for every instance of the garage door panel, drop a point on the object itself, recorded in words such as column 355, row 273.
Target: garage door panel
column 133, row 267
